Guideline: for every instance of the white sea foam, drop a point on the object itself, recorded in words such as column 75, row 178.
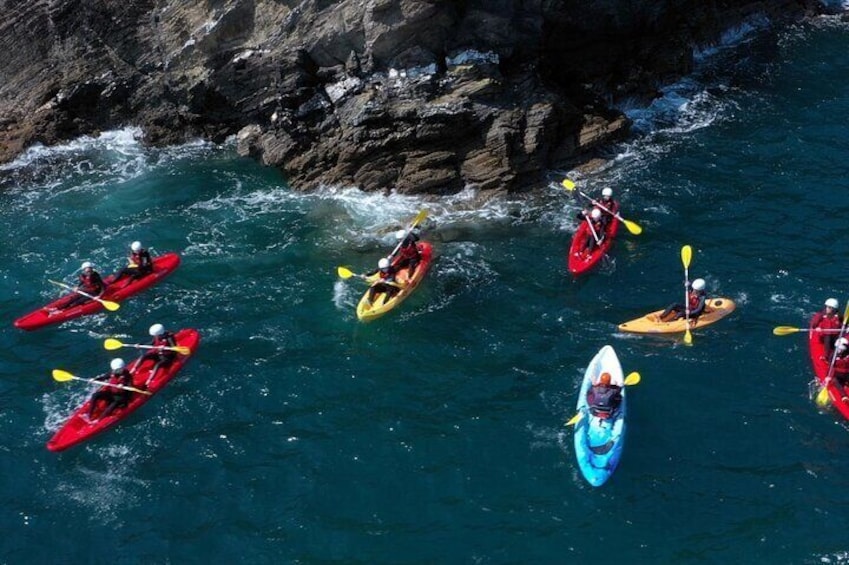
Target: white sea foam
column 732, row 37
column 124, row 141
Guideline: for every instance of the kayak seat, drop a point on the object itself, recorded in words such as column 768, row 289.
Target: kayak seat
column 603, row 448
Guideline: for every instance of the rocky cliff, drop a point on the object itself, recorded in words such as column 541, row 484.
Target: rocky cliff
column 410, row 95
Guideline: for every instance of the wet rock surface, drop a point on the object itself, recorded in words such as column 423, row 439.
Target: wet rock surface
column 413, row 96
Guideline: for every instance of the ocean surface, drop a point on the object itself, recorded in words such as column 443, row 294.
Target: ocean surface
column 297, row 434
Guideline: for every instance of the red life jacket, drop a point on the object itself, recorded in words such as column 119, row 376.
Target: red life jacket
column 409, row 252
column 164, row 340
column 826, row 321
column 841, row 365
column 694, row 298
column 598, row 226
column 611, row 205
column 124, row 378
column 91, row 283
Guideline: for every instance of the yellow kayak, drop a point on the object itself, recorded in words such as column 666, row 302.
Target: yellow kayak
column 368, row 311
column 715, row 310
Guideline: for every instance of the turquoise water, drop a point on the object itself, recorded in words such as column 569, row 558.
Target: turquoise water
column 300, row 435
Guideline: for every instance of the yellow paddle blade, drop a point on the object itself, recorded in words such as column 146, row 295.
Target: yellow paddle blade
column 575, row 419
column 109, row 305
column 786, row 330
column 688, row 337
column 112, row 344
column 568, row 184
column 822, row 397
column 632, row 379
column 182, row 349
column 419, row 218
column 344, row 273
column 632, row 227
column 686, row 256
column 62, row 376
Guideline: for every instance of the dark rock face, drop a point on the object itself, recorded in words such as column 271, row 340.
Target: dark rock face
column 407, row 95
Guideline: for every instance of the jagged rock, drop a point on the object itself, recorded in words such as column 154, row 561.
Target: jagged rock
column 406, row 95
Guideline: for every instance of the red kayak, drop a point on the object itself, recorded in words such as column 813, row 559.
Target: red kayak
column 836, row 391
column 78, row 428
column 581, row 261
column 115, row 291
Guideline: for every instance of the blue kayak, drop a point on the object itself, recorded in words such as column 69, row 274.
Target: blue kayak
column 598, row 439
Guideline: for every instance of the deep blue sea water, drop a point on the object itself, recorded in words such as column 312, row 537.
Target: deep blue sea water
column 435, row 435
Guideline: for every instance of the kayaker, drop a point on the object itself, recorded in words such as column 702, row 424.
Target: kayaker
column 386, row 273
column 841, row 361
column 90, row 282
column 115, row 397
column 140, row 262
column 608, row 202
column 161, row 357
column 697, row 298
column 827, row 319
column 408, row 251
column 603, row 398
column 596, row 220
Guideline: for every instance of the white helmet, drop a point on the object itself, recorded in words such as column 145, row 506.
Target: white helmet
column 699, row 284
column 383, row 263
column 595, row 214
column 86, row 265
column 117, row 364
column 156, row 329
column 136, row 246
column 400, row 234
column 841, row 344
column 607, row 192
column 831, row 303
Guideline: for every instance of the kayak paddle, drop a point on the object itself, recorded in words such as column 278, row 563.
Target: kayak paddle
column 822, row 395
column 345, row 273
column 686, row 257
column 416, row 221
column 64, row 376
column 631, row 380
column 112, row 344
column 787, row 330
column 108, row 304
column 633, row 227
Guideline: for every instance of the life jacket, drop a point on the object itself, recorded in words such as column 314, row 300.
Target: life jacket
column 124, row 378
column 91, row 283
column 694, row 298
column 598, row 226
column 141, row 259
column 387, row 275
column 841, row 365
column 164, row 340
column 409, row 251
column 611, row 205
column 603, row 400
column 826, row 321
